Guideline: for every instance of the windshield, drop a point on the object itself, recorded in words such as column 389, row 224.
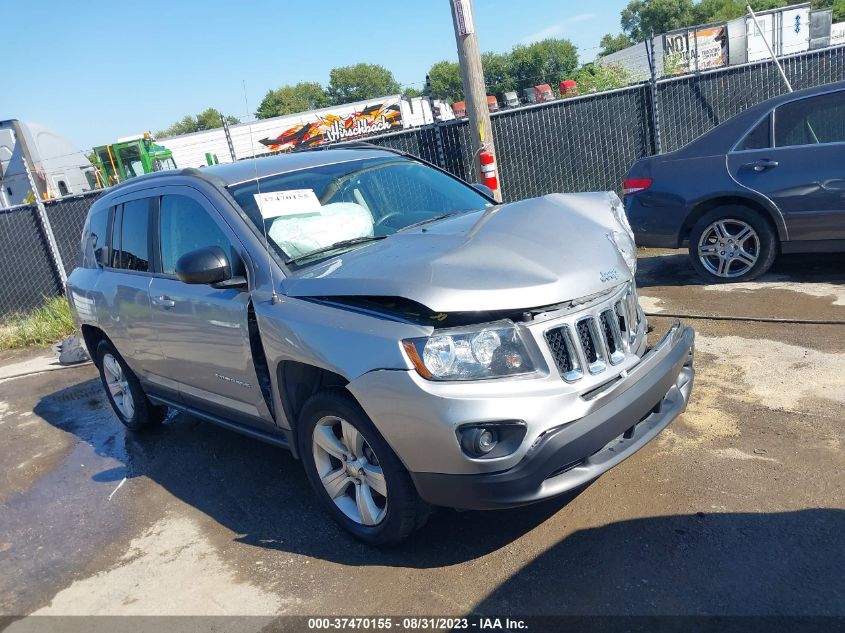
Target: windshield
column 308, row 211
column 131, row 158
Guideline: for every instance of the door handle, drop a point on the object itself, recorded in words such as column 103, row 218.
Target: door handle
column 163, row 302
column 761, row 165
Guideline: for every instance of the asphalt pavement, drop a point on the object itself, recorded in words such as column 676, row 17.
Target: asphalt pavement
column 736, row 508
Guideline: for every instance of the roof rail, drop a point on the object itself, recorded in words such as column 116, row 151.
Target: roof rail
column 179, row 171
column 348, row 145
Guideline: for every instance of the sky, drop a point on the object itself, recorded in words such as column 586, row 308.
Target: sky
column 95, row 71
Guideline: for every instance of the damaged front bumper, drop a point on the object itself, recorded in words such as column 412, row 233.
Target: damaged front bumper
column 635, row 410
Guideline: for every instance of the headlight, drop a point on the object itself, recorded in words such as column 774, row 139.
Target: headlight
column 626, row 247
column 471, row 353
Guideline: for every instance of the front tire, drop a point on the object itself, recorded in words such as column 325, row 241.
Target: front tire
column 731, row 244
column 355, row 473
column 124, row 391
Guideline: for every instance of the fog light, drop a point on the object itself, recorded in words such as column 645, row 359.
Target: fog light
column 479, row 441
column 486, row 441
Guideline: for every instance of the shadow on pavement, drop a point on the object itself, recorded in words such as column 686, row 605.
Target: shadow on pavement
column 673, row 268
column 720, row 563
column 261, row 491
column 702, row 564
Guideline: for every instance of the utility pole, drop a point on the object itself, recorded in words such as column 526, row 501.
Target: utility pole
column 475, row 92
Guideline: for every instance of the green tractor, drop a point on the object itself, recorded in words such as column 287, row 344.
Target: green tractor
column 130, row 157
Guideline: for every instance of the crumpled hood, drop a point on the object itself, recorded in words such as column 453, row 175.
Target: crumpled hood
column 513, row 256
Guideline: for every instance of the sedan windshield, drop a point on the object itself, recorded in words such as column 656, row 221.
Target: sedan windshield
column 320, row 211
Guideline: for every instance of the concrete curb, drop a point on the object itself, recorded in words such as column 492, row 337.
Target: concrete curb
column 33, row 366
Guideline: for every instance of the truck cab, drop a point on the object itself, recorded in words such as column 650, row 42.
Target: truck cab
column 544, row 93
column 131, row 157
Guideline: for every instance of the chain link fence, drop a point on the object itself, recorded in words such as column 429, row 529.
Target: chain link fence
column 588, row 143
column 691, row 105
column 28, row 273
column 66, row 217
column 583, row 143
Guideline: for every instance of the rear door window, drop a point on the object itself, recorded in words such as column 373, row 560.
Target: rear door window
column 131, row 236
column 811, row 121
column 760, row 137
column 95, row 236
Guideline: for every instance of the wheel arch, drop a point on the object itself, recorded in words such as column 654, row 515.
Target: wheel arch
column 91, row 336
column 297, row 383
column 700, row 208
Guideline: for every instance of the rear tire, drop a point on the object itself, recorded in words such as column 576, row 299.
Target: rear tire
column 124, row 391
column 730, row 244
column 355, row 473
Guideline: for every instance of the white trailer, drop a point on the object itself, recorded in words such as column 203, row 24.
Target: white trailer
column 786, row 29
column 59, row 168
column 351, row 121
column 837, row 34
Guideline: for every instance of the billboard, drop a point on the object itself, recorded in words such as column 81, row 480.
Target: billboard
column 698, row 48
column 343, row 124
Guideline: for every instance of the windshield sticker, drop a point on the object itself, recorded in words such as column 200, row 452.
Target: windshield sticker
column 293, row 202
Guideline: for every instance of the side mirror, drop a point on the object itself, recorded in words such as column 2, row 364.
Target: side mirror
column 487, row 191
column 207, row 265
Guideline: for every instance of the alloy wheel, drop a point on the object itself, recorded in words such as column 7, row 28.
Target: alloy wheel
column 729, row 248
column 118, row 386
column 349, row 470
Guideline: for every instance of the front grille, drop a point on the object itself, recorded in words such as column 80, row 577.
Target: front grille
column 591, row 343
column 586, row 339
column 607, row 330
column 557, row 344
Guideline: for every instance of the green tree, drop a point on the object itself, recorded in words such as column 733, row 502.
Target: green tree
column 206, row 120
column 838, row 7
column 445, row 81
column 410, row 92
column 724, row 10
column 613, row 43
column 497, row 73
column 304, row 96
column 548, row 61
column 600, row 77
column 187, row 125
column 642, row 17
column 359, row 82
column 210, row 118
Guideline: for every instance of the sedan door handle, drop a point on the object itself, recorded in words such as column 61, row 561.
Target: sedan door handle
column 761, row 165
column 163, row 302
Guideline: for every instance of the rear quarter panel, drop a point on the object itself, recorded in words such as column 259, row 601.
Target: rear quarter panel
column 659, row 215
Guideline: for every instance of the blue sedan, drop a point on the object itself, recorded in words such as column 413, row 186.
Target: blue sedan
column 770, row 180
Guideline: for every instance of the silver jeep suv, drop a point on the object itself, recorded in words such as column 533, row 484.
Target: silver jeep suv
column 412, row 342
